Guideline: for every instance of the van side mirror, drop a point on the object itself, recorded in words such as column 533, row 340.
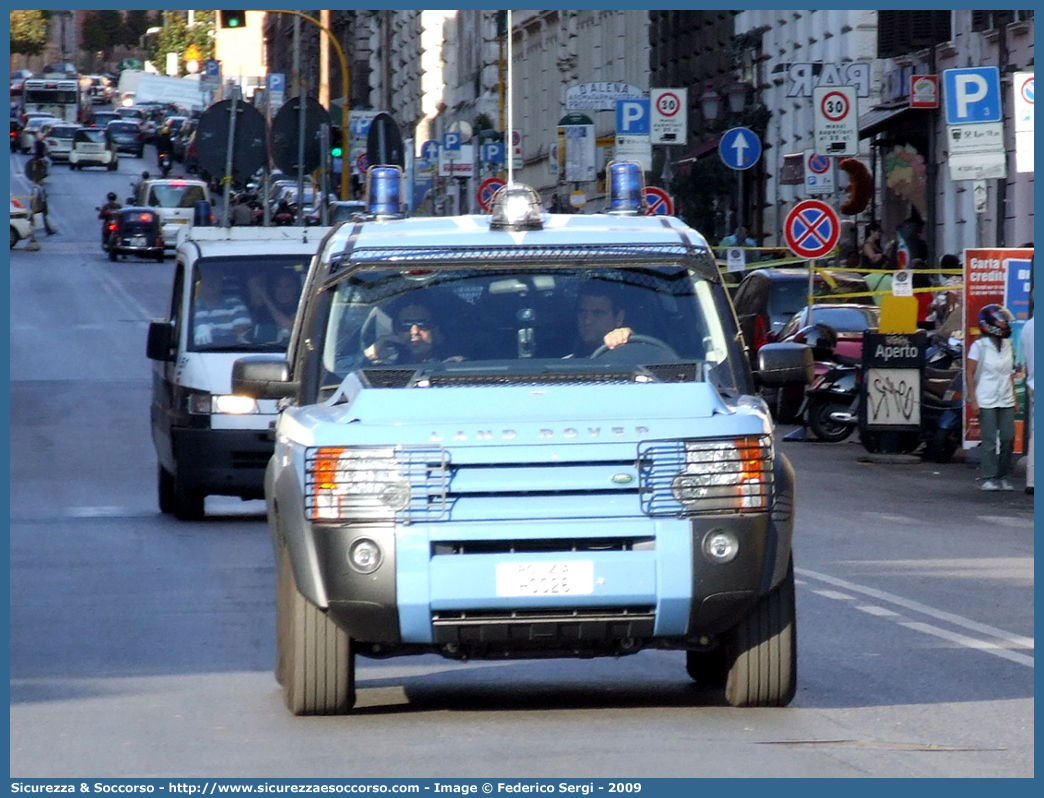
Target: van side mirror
column 160, row 344
column 785, row 364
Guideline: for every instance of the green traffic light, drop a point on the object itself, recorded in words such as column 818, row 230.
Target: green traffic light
column 336, row 152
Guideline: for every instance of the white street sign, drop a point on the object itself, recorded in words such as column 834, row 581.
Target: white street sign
column 1024, row 152
column 600, row 96
column 972, row 139
column 736, row 259
column 634, row 148
column 1023, row 114
column 836, row 120
column 978, row 166
column 819, row 174
column 669, row 116
column 462, row 166
column 580, row 150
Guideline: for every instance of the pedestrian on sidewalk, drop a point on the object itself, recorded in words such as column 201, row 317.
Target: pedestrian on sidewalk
column 990, row 392
column 1026, row 342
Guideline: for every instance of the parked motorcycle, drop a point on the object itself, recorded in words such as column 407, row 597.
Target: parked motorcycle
column 942, row 400
column 832, row 403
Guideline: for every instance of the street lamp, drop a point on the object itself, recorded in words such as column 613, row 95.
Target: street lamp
column 737, row 94
column 710, row 102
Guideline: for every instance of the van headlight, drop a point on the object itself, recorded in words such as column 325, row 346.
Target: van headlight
column 733, row 475
column 345, row 483
column 206, row 404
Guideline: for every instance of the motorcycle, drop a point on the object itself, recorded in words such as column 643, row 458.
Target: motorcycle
column 109, row 225
column 832, row 402
column 942, row 401
column 165, row 163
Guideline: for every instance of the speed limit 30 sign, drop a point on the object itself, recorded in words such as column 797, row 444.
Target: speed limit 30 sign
column 836, row 120
column 668, row 116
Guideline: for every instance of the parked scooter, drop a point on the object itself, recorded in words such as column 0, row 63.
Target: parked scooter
column 942, row 400
column 830, row 404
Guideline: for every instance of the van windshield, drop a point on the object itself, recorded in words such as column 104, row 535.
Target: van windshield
column 245, row 304
column 537, row 324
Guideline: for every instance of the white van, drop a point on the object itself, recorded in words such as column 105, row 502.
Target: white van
column 174, row 200
column 235, row 292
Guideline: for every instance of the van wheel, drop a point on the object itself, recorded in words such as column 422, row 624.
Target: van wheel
column 165, row 490
column 762, row 651
column 188, row 503
column 315, row 660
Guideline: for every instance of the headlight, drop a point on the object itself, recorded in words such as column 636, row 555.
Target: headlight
column 347, row 483
column 725, row 475
column 205, row 404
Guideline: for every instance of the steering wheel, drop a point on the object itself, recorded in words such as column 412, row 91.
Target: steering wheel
column 636, row 338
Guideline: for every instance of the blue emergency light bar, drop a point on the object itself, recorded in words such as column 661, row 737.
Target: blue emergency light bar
column 626, row 188
column 384, row 190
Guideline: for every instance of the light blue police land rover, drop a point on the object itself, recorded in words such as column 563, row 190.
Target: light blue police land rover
column 525, row 435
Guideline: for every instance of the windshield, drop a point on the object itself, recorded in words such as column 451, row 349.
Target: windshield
column 170, row 195
column 245, row 304
column 530, row 324
column 90, row 135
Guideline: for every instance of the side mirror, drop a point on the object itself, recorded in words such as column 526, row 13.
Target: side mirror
column 785, row 364
column 263, row 377
column 160, row 345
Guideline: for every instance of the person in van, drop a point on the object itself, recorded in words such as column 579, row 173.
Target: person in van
column 273, row 304
column 219, row 318
column 416, row 337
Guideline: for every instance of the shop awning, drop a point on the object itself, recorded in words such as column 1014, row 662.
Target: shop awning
column 884, row 117
column 696, row 153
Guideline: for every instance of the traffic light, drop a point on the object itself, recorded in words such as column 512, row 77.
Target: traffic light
column 231, row 19
column 336, row 143
column 501, row 24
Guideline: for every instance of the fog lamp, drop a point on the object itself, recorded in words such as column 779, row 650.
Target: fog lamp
column 364, row 555
column 720, row 546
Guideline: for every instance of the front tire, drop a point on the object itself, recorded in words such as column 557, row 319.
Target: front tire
column 165, row 490
column 824, row 427
column 188, row 502
column 762, row 651
column 14, row 237
column 315, row 660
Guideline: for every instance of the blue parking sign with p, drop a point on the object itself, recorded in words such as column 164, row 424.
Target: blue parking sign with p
column 451, row 142
column 632, row 117
column 972, row 95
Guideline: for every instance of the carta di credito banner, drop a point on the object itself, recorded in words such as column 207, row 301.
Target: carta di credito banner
column 1001, row 276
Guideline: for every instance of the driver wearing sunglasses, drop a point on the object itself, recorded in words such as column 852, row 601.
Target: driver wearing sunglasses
column 415, row 338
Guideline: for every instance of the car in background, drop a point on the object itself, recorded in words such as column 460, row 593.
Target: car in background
column 173, row 125
column 136, row 231
column 337, row 211
column 32, row 126
column 102, row 118
column 766, row 299
column 93, row 146
column 848, row 320
column 16, row 130
column 128, row 136
column 99, row 89
column 59, row 140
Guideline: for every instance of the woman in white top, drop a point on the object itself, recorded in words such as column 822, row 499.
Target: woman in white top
column 990, row 392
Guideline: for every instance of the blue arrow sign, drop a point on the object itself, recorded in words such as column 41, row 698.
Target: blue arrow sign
column 739, row 148
column 972, row 95
column 430, row 150
column 492, row 152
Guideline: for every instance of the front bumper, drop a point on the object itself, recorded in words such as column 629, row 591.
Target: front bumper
column 229, row 462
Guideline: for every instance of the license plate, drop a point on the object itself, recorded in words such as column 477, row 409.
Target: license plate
column 575, row 578
column 137, row 241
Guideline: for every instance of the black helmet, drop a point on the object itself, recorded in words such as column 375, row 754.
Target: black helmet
column 111, row 197
column 996, row 320
column 144, row 175
column 822, row 338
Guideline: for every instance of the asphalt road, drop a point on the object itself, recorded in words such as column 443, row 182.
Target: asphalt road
column 141, row 646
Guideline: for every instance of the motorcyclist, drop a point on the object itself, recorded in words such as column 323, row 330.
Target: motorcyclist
column 106, row 211
column 164, row 147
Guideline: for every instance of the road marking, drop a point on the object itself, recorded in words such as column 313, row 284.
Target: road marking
column 970, row 642
column 1018, row 641
column 833, row 594
column 880, row 612
column 116, row 290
